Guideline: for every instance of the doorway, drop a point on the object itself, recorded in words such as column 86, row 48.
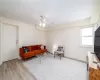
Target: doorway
column 9, row 42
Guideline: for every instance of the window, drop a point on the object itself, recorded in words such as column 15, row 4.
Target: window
column 87, row 36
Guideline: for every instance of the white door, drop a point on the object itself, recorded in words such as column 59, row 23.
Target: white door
column 9, row 42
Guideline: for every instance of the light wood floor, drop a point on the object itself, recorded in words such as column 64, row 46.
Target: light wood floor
column 15, row 70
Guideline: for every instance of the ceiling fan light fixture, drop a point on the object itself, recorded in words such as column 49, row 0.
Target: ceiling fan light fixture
column 44, row 24
column 42, row 21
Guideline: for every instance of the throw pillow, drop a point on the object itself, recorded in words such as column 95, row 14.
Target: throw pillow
column 25, row 49
column 42, row 47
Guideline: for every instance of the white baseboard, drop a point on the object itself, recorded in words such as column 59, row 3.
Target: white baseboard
column 73, row 59
column 76, row 59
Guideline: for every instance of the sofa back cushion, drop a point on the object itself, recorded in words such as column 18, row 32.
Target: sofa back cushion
column 35, row 47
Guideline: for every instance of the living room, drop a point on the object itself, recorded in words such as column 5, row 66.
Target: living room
column 33, row 32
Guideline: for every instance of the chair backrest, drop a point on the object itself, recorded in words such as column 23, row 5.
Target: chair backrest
column 60, row 48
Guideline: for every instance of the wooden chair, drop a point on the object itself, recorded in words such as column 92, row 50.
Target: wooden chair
column 59, row 51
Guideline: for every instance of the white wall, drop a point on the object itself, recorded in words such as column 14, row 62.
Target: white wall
column 27, row 34
column 70, row 38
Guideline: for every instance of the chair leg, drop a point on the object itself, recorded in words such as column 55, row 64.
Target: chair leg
column 60, row 56
column 63, row 55
column 54, row 55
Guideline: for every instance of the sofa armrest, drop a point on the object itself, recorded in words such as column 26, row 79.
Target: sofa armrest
column 21, row 52
column 44, row 47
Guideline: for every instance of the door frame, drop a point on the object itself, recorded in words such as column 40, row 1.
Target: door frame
column 0, row 42
column 1, row 39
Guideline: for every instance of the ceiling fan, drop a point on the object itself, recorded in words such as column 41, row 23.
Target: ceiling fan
column 42, row 22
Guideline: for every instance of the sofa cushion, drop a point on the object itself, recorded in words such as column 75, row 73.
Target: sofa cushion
column 39, row 51
column 28, row 54
column 43, row 50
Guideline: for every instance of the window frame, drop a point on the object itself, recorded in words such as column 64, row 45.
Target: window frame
column 86, row 36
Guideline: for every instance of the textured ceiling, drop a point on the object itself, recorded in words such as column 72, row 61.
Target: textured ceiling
column 55, row 11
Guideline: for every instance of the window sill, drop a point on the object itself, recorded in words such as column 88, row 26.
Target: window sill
column 86, row 46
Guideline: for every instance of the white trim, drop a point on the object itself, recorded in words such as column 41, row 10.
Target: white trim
column 1, row 39
column 87, row 46
column 81, row 26
column 0, row 43
column 75, row 59
column 59, row 28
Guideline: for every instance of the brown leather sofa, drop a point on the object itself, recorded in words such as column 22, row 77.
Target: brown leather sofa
column 33, row 51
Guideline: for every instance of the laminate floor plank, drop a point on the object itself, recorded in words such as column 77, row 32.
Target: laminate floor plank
column 15, row 70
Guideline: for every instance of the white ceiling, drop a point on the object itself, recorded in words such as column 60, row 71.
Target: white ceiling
column 55, row 11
